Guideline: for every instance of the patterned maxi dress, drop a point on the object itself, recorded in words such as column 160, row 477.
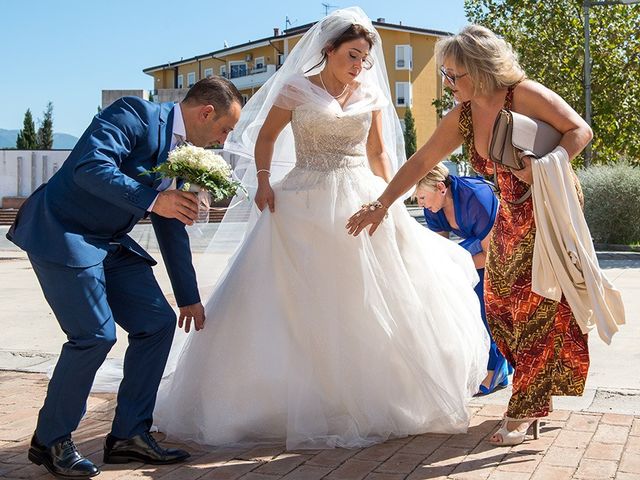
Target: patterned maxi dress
column 538, row 336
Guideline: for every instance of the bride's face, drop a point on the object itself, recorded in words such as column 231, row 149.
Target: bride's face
column 347, row 61
column 432, row 200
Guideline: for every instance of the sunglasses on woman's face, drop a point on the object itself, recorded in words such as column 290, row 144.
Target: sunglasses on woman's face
column 452, row 78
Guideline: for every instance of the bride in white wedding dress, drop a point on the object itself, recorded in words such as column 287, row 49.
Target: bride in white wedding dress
column 312, row 336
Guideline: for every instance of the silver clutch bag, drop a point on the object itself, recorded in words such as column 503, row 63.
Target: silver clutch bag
column 515, row 136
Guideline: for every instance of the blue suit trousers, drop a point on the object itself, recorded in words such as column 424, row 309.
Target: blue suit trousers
column 88, row 302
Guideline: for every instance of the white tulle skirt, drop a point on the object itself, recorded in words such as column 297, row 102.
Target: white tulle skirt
column 319, row 339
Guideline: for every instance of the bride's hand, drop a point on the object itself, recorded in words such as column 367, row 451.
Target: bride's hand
column 265, row 196
column 364, row 217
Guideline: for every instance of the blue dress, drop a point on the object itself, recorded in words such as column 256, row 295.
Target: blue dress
column 475, row 207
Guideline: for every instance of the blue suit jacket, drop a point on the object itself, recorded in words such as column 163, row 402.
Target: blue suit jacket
column 99, row 194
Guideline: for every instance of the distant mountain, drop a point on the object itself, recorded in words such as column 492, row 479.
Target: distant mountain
column 8, row 138
column 60, row 140
column 64, row 141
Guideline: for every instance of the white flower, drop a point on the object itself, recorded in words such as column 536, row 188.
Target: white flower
column 200, row 159
column 197, row 166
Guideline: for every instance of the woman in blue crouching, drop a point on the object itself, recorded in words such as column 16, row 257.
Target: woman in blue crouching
column 466, row 206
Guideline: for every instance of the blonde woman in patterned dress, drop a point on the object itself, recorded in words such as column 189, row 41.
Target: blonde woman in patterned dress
column 538, row 336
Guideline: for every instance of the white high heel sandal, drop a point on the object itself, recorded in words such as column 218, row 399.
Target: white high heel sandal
column 516, row 437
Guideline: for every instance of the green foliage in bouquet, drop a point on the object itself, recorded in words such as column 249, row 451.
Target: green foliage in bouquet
column 197, row 166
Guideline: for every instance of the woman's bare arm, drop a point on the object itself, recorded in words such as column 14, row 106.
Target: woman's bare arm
column 276, row 120
column 376, row 153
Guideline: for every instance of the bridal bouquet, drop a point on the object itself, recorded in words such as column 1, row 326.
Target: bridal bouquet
column 202, row 171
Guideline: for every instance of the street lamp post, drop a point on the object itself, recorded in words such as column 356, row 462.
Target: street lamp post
column 587, row 63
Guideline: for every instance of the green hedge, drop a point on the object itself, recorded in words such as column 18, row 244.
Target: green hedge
column 612, row 202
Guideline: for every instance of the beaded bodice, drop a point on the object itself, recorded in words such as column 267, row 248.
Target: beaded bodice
column 327, row 141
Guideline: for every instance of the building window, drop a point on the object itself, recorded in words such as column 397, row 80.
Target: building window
column 403, row 94
column 238, row 69
column 280, row 59
column 191, row 79
column 245, row 99
column 180, row 81
column 208, row 72
column 259, row 65
column 404, row 57
column 223, row 70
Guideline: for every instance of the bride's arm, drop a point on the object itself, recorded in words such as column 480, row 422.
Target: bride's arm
column 378, row 160
column 276, row 120
column 444, row 140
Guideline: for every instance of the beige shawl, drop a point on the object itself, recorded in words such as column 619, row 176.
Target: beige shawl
column 564, row 259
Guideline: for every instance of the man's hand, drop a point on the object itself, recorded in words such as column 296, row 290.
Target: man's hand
column 177, row 204
column 193, row 312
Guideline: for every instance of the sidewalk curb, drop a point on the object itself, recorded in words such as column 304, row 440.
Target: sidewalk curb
column 617, row 255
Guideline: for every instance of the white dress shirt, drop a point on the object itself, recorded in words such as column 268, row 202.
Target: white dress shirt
column 179, row 134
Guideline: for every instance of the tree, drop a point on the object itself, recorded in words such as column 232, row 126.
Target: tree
column 549, row 40
column 45, row 132
column 27, row 138
column 410, row 136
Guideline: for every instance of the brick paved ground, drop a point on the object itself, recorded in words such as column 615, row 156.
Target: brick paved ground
column 572, row 445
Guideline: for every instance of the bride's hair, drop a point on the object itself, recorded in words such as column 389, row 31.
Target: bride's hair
column 354, row 32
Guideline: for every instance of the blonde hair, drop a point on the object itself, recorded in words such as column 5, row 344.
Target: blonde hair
column 439, row 173
column 488, row 59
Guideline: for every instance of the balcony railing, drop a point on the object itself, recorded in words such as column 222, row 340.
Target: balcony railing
column 255, row 77
column 248, row 71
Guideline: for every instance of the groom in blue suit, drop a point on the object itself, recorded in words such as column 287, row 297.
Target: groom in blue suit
column 75, row 231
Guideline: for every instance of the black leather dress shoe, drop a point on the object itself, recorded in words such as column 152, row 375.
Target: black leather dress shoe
column 62, row 459
column 141, row 448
